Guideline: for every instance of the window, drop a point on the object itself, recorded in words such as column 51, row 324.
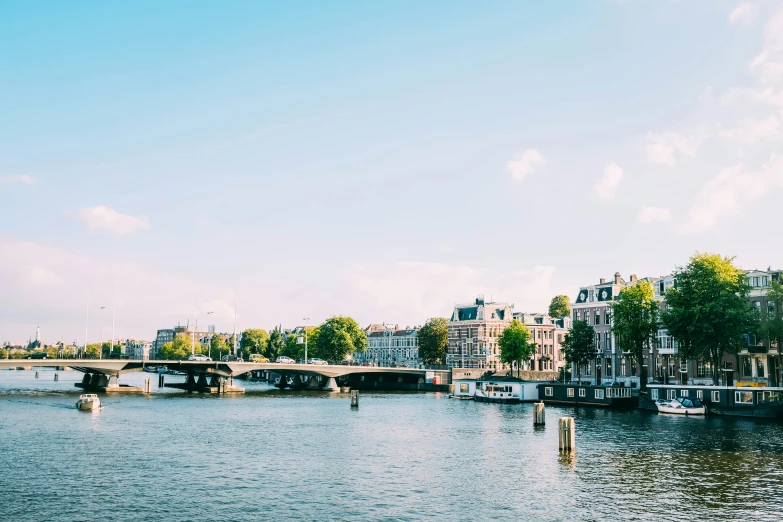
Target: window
column 671, row 394
column 700, row 395
column 743, row 397
column 654, row 394
column 701, row 369
column 582, row 392
column 606, row 317
column 597, row 317
column 599, row 394
column 570, row 392
column 715, row 396
column 463, row 387
column 548, row 391
column 683, row 393
column 760, row 368
column 746, row 370
column 764, row 280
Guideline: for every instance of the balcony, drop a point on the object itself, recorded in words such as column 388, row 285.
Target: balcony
column 756, row 349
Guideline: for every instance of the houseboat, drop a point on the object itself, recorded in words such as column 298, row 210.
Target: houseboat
column 574, row 394
column 464, row 389
column 740, row 401
column 505, row 389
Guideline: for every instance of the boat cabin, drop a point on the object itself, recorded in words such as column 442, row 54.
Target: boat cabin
column 741, row 401
column 575, row 394
column 505, row 389
column 464, row 388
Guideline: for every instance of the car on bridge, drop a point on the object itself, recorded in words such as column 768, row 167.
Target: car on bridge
column 285, row 360
column 231, row 358
column 198, row 357
column 258, row 358
column 316, row 361
column 36, row 355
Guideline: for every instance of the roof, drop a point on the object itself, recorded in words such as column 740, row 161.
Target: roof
column 468, row 313
column 501, row 378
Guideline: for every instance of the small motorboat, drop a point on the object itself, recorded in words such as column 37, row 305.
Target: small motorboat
column 88, row 401
column 682, row 406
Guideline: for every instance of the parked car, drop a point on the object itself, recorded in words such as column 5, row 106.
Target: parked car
column 231, row 358
column 36, row 355
column 285, row 360
column 198, row 357
column 258, row 358
column 316, row 361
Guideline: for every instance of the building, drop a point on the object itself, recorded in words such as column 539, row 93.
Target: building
column 547, row 332
column 167, row 335
column 473, row 332
column 391, row 346
column 759, row 361
column 137, row 350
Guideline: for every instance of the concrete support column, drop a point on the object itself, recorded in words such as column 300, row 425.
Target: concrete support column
column 86, row 379
column 331, row 385
column 202, row 381
column 313, row 383
column 113, row 382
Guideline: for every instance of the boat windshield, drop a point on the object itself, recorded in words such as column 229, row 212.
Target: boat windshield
column 689, row 402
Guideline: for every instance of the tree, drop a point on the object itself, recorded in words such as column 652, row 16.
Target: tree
column 708, row 309
column 635, row 323
column 295, row 350
column 516, row 344
column 93, row 350
column 579, row 346
column 274, row 345
column 773, row 327
column 178, row 349
column 253, row 340
column 339, row 337
column 560, row 306
column 217, row 346
column 434, row 340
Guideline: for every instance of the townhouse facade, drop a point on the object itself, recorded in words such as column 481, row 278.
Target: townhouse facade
column 547, row 332
column 391, row 346
column 473, row 332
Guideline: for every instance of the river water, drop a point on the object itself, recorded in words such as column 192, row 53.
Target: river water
column 401, row 456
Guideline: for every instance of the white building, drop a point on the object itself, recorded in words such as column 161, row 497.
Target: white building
column 391, row 346
column 137, row 350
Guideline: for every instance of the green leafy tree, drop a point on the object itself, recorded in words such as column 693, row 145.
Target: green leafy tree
column 274, row 345
column 635, row 323
column 179, row 349
column 560, row 306
column 253, row 340
column 516, row 344
column 579, row 346
column 339, row 337
column 708, row 309
column 295, row 350
column 433, row 341
column 773, row 326
column 52, row 352
column 93, row 350
column 217, row 346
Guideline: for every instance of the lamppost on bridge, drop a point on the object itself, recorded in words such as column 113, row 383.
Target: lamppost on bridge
column 100, row 344
column 305, row 338
column 209, row 350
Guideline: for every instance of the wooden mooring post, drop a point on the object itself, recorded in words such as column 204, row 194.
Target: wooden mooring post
column 160, row 380
column 36, row 374
column 566, row 433
column 539, row 415
column 56, row 377
column 354, row 398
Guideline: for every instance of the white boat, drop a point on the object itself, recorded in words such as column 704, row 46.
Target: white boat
column 88, row 401
column 682, row 406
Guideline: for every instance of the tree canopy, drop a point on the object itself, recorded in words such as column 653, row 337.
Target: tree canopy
column 708, row 309
column 217, row 346
column 274, row 345
column 433, row 341
column 579, row 346
column 516, row 344
column 560, row 306
column 253, row 340
column 295, row 350
column 178, row 349
column 339, row 337
column 635, row 323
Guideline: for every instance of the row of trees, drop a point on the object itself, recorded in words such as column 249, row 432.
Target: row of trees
column 707, row 311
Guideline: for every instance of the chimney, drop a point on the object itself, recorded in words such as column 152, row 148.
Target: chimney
column 617, row 278
column 633, row 278
column 603, row 280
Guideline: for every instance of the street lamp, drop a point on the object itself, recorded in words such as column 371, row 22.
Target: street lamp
column 100, row 346
column 209, row 350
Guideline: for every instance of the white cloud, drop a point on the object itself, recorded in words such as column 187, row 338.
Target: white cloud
column 606, row 187
column 23, row 178
column 768, row 64
column 661, row 147
column 416, row 291
column 104, row 218
column 745, row 13
column 653, row 215
column 524, row 163
column 730, row 191
column 752, row 131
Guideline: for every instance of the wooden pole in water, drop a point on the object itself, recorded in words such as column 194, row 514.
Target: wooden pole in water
column 539, row 416
column 566, row 433
column 36, row 375
column 354, row 398
column 56, row 377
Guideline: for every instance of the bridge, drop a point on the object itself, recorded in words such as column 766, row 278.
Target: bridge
column 217, row 376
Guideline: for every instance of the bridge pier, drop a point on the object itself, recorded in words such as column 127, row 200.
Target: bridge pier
column 331, row 385
column 207, row 383
column 314, row 383
column 100, row 382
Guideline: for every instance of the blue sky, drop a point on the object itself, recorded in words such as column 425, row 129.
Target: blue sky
column 381, row 159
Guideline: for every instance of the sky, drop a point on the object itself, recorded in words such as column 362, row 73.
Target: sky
column 383, row 160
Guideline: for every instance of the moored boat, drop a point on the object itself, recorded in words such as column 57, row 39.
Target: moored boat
column 576, row 394
column 88, row 401
column 739, row 401
column 681, row 406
